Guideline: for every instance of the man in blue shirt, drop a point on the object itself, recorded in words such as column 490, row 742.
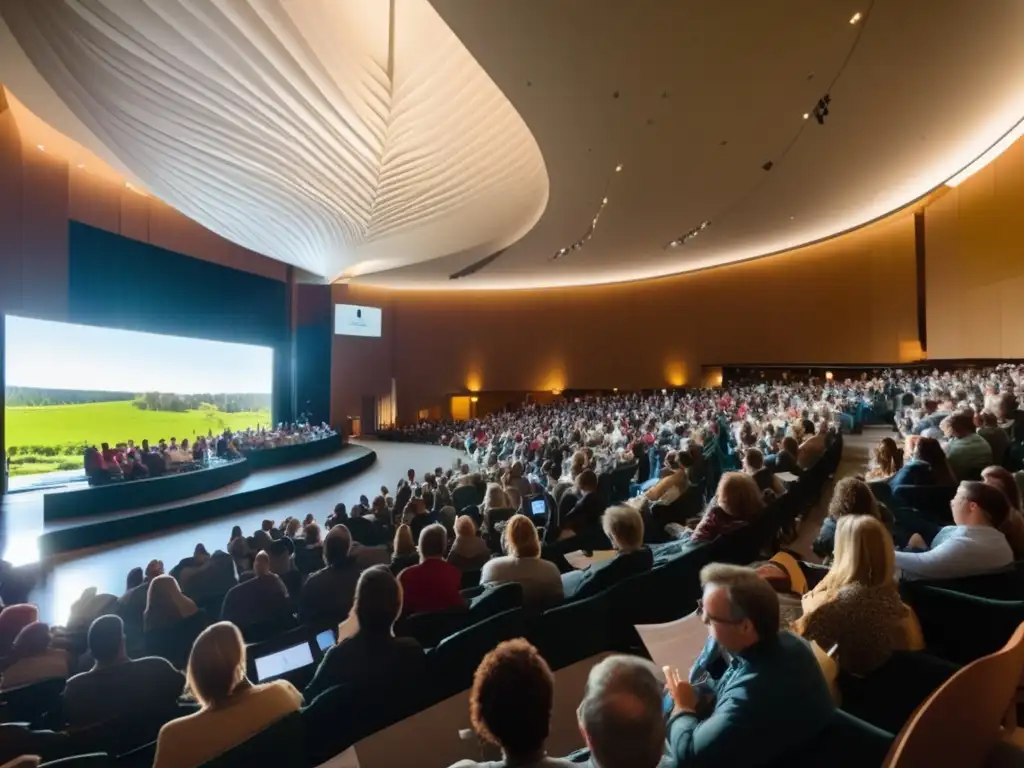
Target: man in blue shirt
column 756, row 694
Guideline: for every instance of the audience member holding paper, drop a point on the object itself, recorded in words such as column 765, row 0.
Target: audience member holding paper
column 624, row 526
column 755, row 694
column 857, row 605
column 367, row 654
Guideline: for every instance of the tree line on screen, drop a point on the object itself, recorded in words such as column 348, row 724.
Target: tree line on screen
column 226, row 402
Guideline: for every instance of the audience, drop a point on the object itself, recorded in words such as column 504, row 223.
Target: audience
column 973, row 545
column 540, row 579
column 233, row 709
column 852, row 497
column 1013, row 527
column 117, row 686
column 327, row 594
column 368, row 656
column 768, row 699
column 886, row 461
column 165, row 604
column 738, row 501
column 967, row 451
column 469, row 552
column 510, row 707
column 857, row 605
column 13, row 619
column 621, row 716
column 404, row 553
column 928, row 466
column 624, row 527
column 432, row 584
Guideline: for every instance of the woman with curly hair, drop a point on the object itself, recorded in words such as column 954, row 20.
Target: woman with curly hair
column 849, row 497
column 887, row 460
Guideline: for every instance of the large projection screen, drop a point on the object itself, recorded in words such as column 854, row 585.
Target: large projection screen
column 70, row 386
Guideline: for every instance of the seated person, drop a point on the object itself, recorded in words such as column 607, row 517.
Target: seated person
column 404, row 552
column 849, row 497
column 753, row 465
column 737, row 502
column 327, row 594
column 433, row 584
column 510, row 707
column 309, row 553
column 233, row 709
column 469, row 551
column 967, row 451
column 785, row 459
column 857, row 605
column 32, row 659
column 262, row 599
column 669, row 489
column 1013, row 528
column 118, row 686
column 928, row 465
column 624, row 526
column 585, row 516
column 368, row 655
column 743, row 711
column 542, row 584
column 974, row 545
column 621, row 716
column 997, row 438
column 886, row 461
column 813, row 448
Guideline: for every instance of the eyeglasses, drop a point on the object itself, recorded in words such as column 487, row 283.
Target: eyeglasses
column 708, row 619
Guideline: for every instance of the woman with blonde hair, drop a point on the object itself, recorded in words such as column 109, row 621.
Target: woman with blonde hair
column 233, row 709
column 857, row 605
column 165, row 604
column 542, row 583
column 887, row 460
column 404, row 553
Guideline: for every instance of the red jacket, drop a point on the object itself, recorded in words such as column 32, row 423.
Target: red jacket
column 431, row 586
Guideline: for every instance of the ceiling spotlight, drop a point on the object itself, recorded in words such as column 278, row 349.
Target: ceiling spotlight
column 40, row 147
column 806, row 115
column 675, row 243
column 618, row 167
column 604, row 201
column 855, row 18
column 768, row 166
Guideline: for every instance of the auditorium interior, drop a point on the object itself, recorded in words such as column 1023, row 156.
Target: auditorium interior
column 623, row 385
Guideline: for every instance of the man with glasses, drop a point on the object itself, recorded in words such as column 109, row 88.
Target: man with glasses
column 755, row 694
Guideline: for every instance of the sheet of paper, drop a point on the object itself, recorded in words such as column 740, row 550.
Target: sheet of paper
column 579, row 561
column 675, row 644
column 347, row 759
column 787, row 477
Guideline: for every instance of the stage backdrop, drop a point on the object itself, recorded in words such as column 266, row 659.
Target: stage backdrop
column 118, row 282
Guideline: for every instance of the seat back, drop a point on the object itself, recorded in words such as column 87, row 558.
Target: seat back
column 496, row 599
column 174, row 643
column 621, row 478
column 280, row 743
column 91, row 760
column 960, row 723
column 586, row 622
column 453, row 662
column 846, row 742
column 429, row 629
column 931, row 500
column 29, row 703
column 1007, row 584
column 962, row 627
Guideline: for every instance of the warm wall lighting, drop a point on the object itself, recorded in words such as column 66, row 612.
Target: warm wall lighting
column 40, row 147
column 80, row 166
column 474, row 399
column 675, row 374
column 556, row 392
column 615, row 389
column 856, row 17
column 474, row 382
column 828, row 375
column 988, row 155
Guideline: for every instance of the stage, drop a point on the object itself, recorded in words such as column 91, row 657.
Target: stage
column 34, row 534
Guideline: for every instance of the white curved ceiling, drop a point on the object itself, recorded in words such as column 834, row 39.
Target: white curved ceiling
column 337, row 136
column 363, row 139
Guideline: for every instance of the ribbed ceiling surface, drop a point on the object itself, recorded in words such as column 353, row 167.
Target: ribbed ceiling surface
column 341, row 137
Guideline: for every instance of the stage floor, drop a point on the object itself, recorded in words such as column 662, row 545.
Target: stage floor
column 64, row 578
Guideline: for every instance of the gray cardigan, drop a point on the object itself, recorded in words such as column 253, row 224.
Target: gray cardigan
column 542, row 583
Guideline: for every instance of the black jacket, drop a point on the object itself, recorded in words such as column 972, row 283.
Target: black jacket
column 599, row 576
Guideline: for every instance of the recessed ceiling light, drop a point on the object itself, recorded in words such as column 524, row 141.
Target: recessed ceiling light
column 806, row 115
column 604, row 201
column 792, row 217
column 618, row 167
column 40, row 147
column 855, row 18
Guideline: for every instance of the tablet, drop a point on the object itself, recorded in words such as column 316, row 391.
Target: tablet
column 538, row 508
column 280, row 663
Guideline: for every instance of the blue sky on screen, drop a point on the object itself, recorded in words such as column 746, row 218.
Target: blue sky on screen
column 40, row 353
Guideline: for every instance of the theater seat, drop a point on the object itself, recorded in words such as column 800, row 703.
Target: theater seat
column 453, row 662
column 429, row 629
column 930, row 500
column 92, row 760
column 1001, row 585
column 35, row 703
column 961, row 627
column 846, row 742
column 496, row 599
column 572, row 632
column 280, row 743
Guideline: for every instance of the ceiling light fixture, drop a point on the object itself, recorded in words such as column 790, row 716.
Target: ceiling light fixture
column 689, row 235
column 40, row 147
column 820, row 110
column 988, row 155
column 593, row 224
column 855, row 18
column 806, row 115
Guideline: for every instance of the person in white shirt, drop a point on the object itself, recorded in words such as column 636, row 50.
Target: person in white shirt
column 973, row 546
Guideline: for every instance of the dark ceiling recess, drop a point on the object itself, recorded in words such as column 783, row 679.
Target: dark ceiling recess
column 768, row 166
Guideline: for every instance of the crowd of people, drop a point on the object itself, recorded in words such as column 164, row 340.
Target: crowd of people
column 770, row 624
column 128, row 461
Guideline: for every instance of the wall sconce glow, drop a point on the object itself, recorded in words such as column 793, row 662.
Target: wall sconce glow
column 675, row 374
column 615, row 389
column 474, row 399
column 988, row 155
column 556, row 392
column 474, row 382
column 828, row 375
